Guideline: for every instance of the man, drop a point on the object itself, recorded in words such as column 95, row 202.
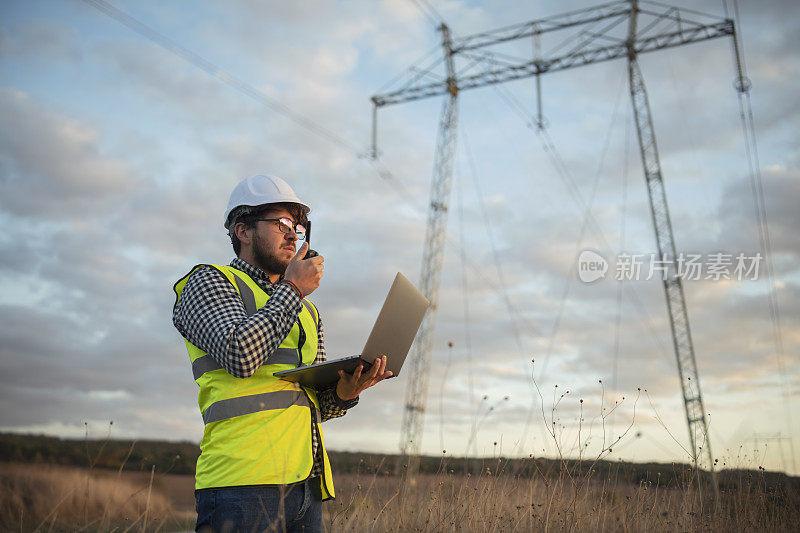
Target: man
column 263, row 462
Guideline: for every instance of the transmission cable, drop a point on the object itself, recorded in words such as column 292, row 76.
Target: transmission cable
column 251, row 92
column 587, row 218
column 563, row 172
column 465, row 300
column 759, row 205
column 429, row 12
column 411, row 69
column 490, row 234
column 222, row 75
column 618, row 320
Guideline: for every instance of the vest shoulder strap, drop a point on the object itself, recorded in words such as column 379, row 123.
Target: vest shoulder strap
column 248, row 297
column 236, row 277
column 242, row 283
column 311, row 308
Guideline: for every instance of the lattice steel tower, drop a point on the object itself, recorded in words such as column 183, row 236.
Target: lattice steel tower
column 665, row 27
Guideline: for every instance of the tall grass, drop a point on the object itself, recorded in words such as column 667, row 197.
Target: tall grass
column 582, row 492
column 577, row 490
column 503, row 501
column 53, row 498
column 57, row 498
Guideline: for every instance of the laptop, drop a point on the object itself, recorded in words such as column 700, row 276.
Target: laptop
column 392, row 336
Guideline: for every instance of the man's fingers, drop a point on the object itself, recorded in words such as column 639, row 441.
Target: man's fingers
column 376, row 368
column 375, row 375
column 380, row 366
column 301, row 252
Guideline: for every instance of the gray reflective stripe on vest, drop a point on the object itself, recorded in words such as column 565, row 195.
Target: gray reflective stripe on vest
column 281, row 356
column 310, row 309
column 248, row 298
column 245, row 405
column 204, row 364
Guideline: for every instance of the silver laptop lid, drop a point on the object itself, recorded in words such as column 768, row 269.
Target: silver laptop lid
column 396, row 325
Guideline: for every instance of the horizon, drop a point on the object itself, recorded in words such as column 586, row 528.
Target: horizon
column 441, row 457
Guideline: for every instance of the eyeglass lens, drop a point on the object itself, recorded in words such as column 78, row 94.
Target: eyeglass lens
column 285, row 225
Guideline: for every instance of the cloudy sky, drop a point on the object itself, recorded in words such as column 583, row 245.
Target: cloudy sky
column 117, row 157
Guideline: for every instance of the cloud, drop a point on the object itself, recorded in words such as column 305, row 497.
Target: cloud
column 41, row 40
column 53, row 165
column 781, row 196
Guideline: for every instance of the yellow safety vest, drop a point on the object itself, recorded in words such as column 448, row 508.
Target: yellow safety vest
column 258, row 429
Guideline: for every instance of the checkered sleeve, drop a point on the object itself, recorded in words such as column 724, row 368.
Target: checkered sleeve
column 321, row 356
column 210, row 314
column 330, row 405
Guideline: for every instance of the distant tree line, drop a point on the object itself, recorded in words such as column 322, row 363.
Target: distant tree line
column 172, row 457
column 180, row 458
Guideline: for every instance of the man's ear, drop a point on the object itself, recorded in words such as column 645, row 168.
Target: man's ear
column 243, row 233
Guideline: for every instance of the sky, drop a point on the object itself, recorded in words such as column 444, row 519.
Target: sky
column 117, row 156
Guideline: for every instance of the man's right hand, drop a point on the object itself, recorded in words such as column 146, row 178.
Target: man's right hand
column 305, row 273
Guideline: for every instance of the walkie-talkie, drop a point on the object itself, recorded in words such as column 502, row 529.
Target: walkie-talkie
column 310, row 253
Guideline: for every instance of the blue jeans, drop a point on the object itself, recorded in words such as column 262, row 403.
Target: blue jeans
column 257, row 509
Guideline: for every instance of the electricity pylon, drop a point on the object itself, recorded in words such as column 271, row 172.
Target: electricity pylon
column 417, row 390
column 599, row 35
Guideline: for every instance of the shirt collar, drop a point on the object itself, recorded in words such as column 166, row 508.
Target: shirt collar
column 258, row 275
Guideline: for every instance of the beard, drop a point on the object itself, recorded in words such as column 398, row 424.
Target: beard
column 265, row 259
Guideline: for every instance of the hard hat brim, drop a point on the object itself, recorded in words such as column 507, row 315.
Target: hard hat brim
column 306, row 209
column 253, row 191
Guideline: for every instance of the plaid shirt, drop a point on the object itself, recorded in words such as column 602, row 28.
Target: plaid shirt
column 210, row 314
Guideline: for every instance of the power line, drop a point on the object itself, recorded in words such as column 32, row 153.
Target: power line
column 244, row 88
column 760, row 208
column 429, row 12
column 222, row 75
column 587, row 218
column 465, row 299
column 490, row 234
column 413, row 68
column 253, row 93
column 623, row 210
column 563, row 172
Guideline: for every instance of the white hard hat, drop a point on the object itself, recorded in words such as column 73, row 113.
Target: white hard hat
column 259, row 190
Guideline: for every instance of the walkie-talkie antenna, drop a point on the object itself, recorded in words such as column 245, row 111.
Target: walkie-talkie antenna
column 310, row 252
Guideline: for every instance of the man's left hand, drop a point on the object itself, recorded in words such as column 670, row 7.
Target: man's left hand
column 350, row 386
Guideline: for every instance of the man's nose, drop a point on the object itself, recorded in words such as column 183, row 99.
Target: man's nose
column 292, row 236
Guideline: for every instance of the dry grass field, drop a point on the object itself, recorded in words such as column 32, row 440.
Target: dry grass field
column 455, row 502
column 52, row 498
column 36, row 497
column 148, row 486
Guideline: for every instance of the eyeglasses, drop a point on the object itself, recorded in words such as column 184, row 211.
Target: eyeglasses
column 286, row 225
